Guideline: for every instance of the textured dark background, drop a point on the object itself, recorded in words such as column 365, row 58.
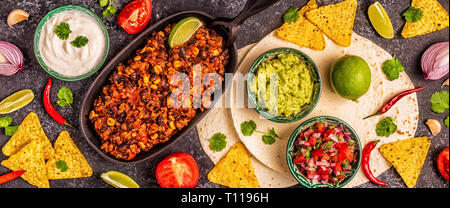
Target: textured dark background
column 33, row 77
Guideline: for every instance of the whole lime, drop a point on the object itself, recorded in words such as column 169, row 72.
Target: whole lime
column 350, row 77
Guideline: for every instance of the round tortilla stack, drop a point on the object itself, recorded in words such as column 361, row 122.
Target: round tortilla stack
column 269, row 161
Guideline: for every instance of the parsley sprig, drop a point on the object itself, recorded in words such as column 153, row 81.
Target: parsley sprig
column 110, row 9
column 291, row 15
column 80, row 41
column 65, row 97
column 249, row 127
column 413, row 14
column 392, row 68
column 62, row 30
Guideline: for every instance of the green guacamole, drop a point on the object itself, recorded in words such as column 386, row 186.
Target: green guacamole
column 295, row 84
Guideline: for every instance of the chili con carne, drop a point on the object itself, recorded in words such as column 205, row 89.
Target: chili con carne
column 49, row 107
column 365, row 163
column 394, row 100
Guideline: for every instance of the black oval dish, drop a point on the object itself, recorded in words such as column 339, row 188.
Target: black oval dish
column 225, row 27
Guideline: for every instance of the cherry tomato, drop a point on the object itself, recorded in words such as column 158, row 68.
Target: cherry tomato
column 442, row 163
column 178, row 170
column 135, row 16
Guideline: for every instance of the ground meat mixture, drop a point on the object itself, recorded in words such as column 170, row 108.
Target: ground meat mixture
column 133, row 112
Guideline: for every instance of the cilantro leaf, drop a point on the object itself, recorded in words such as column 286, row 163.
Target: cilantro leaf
column 10, row 130
column 66, row 97
column 62, row 30
column 267, row 139
column 386, row 127
column 272, row 133
column 439, row 101
column 446, row 122
column 61, row 165
column 291, row 15
column 218, row 142
column 80, row 41
column 413, row 14
column 248, row 127
column 5, row 121
column 392, row 68
column 110, row 9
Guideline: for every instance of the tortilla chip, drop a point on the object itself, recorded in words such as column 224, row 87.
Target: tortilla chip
column 30, row 129
column 303, row 32
column 66, row 150
column 335, row 20
column 235, row 170
column 407, row 157
column 31, row 159
column 434, row 18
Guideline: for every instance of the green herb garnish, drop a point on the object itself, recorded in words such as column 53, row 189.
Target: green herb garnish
column 62, row 30
column 62, row 165
column 79, row 41
column 110, row 9
column 392, row 68
column 446, row 122
column 291, row 15
column 10, row 130
column 248, row 127
column 218, row 142
column 386, row 127
column 439, row 101
column 413, row 14
column 5, row 121
column 66, row 97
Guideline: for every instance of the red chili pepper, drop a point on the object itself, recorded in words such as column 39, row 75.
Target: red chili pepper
column 49, row 108
column 365, row 163
column 394, row 100
column 10, row 176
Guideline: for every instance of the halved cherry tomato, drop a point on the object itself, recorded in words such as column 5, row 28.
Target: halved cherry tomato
column 442, row 163
column 320, row 127
column 299, row 159
column 135, row 16
column 178, row 170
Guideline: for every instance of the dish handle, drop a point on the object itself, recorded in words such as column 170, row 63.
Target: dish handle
column 251, row 8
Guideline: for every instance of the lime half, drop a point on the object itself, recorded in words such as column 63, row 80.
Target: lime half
column 184, row 30
column 119, row 180
column 380, row 20
column 16, row 101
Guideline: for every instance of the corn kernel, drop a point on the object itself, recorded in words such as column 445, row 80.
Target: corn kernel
column 153, row 86
column 157, row 69
column 172, row 125
column 110, row 122
column 157, row 80
column 195, row 51
column 137, row 58
column 146, row 78
column 176, row 64
column 154, row 136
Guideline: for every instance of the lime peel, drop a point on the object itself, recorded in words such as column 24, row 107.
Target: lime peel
column 380, row 20
column 119, row 180
column 16, row 101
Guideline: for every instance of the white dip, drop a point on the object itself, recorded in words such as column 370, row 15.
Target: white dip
column 60, row 55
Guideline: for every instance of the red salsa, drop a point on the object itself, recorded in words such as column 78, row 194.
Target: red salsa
column 325, row 153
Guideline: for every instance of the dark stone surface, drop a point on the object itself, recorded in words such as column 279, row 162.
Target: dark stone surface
column 35, row 78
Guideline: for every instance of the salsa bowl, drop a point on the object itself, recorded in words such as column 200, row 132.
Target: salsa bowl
column 335, row 123
column 305, row 109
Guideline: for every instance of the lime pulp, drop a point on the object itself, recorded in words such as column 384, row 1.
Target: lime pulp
column 380, row 20
column 184, row 30
column 119, row 180
column 16, row 101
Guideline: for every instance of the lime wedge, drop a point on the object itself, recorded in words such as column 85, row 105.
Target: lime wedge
column 16, row 101
column 184, row 30
column 380, row 20
column 119, row 180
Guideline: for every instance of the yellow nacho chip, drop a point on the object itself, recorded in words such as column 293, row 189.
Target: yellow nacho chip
column 235, row 170
column 434, row 18
column 335, row 20
column 31, row 159
column 303, row 32
column 407, row 157
column 30, row 129
column 67, row 151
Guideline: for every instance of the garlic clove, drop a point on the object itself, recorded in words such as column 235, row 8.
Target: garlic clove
column 434, row 126
column 16, row 16
column 445, row 83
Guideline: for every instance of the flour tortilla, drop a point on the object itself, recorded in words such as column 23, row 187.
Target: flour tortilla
column 405, row 113
column 219, row 120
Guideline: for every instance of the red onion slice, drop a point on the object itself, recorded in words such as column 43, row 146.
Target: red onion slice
column 435, row 61
column 11, row 59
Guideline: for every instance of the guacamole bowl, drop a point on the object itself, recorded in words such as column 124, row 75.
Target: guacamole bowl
column 297, row 138
column 297, row 87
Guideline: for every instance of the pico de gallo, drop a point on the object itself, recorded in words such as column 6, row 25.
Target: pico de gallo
column 325, row 153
